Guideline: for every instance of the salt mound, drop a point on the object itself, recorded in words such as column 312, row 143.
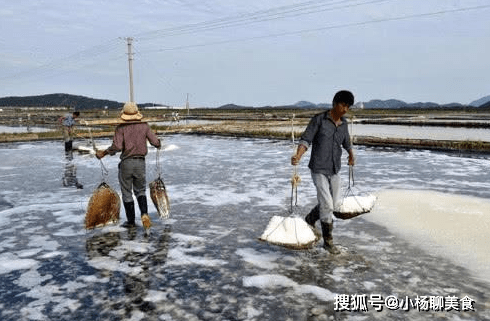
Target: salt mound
column 291, row 232
column 358, row 204
column 170, row 147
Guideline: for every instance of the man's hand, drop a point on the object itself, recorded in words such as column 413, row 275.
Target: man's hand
column 352, row 159
column 295, row 160
column 297, row 157
column 99, row 154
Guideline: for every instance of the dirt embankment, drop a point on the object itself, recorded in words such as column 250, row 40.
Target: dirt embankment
column 280, row 127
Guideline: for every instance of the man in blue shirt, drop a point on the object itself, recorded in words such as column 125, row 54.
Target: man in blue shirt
column 68, row 123
column 327, row 133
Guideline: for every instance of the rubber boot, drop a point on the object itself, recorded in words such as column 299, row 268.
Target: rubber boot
column 129, row 208
column 328, row 239
column 313, row 216
column 145, row 218
column 68, row 146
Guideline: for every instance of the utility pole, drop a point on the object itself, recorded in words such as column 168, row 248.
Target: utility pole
column 130, row 61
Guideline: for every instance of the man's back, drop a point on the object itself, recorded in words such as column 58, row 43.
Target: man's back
column 130, row 139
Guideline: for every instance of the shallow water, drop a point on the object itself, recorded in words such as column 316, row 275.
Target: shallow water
column 205, row 262
column 23, row 129
column 421, row 132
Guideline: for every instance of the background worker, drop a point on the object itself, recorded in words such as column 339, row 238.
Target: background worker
column 327, row 133
column 130, row 139
column 68, row 126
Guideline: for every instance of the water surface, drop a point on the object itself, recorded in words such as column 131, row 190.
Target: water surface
column 205, row 262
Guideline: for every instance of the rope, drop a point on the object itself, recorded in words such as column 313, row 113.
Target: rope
column 103, row 168
column 159, row 170
column 295, row 180
column 83, row 137
column 349, row 190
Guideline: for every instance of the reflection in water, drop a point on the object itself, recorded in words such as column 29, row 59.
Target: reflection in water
column 70, row 172
column 139, row 258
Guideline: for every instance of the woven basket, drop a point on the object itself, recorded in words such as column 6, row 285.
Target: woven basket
column 103, row 207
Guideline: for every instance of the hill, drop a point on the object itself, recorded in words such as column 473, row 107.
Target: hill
column 59, row 100
column 84, row 103
column 480, row 102
column 486, row 105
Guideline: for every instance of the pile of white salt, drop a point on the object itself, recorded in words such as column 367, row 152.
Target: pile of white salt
column 358, row 204
column 289, row 231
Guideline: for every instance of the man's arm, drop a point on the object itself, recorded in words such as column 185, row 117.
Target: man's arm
column 116, row 146
column 299, row 153
column 152, row 138
column 305, row 140
column 352, row 159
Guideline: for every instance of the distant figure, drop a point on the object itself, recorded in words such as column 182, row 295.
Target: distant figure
column 130, row 139
column 327, row 133
column 68, row 122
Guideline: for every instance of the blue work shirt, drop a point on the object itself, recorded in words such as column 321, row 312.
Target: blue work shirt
column 68, row 120
column 327, row 141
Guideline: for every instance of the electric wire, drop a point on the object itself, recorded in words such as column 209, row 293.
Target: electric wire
column 73, row 62
column 313, row 30
column 77, row 61
column 254, row 17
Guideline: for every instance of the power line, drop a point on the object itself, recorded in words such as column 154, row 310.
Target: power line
column 60, row 66
column 353, row 24
column 64, row 65
column 255, row 17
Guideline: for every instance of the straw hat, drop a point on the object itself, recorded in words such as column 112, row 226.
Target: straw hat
column 130, row 112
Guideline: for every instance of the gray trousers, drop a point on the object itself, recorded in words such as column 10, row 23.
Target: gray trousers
column 329, row 195
column 132, row 177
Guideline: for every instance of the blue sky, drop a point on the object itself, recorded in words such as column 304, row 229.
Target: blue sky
column 251, row 53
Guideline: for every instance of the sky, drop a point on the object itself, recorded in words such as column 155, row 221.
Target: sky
column 249, row 53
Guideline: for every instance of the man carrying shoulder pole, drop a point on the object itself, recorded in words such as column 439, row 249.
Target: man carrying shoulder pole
column 130, row 139
column 327, row 133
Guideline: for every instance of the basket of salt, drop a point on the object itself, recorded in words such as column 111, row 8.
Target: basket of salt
column 291, row 232
column 354, row 203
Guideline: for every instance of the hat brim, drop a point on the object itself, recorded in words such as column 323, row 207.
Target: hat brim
column 136, row 116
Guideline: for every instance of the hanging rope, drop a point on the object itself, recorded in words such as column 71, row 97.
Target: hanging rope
column 291, row 232
column 159, row 169
column 103, row 169
column 84, row 138
column 295, row 179
column 351, row 175
column 351, row 195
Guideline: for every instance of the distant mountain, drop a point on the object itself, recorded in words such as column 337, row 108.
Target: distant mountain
column 81, row 102
column 486, row 105
column 308, row 104
column 395, row 104
column 63, row 100
column 480, row 102
column 233, row 106
column 59, row 100
column 384, row 104
column 304, row 103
